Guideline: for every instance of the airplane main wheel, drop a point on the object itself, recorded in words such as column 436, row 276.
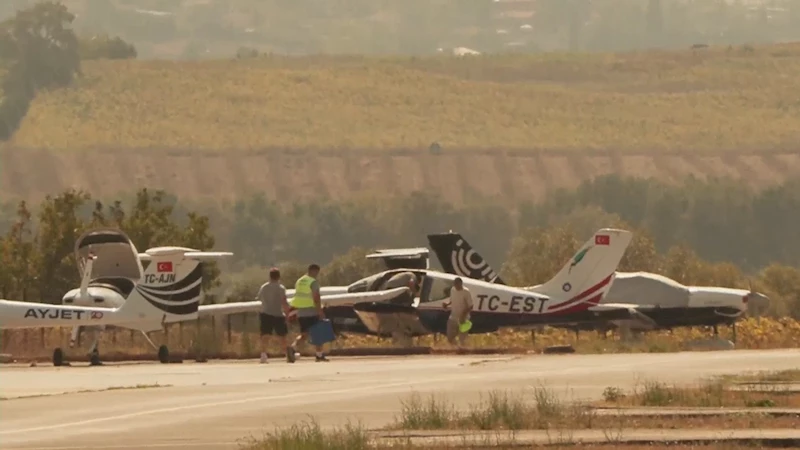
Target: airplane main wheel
column 163, row 354
column 58, row 357
column 94, row 359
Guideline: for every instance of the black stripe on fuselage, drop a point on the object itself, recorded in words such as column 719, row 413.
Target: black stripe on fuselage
column 191, row 278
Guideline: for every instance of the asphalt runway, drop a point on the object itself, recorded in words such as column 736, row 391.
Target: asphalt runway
column 212, row 405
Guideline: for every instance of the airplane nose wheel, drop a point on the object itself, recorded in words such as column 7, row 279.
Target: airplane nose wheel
column 163, row 354
column 94, row 358
column 58, row 357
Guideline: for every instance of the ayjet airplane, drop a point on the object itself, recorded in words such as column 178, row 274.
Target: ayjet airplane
column 657, row 302
column 116, row 291
column 112, row 271
column 573, row 295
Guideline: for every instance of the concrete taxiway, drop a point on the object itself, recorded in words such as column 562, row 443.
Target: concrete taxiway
column 212, row 405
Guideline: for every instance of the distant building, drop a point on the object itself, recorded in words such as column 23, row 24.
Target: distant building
column 514, row 13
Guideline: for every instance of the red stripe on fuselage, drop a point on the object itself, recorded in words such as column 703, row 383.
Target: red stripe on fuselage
column 583, row 294
column 580, row 306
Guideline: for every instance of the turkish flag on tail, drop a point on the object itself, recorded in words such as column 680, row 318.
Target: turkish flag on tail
column 165, row 266
column 602, row 239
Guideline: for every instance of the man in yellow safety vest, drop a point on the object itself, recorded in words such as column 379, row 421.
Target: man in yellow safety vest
column 308, row 304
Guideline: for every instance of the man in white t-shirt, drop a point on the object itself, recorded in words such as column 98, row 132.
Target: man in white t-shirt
column 460, row 304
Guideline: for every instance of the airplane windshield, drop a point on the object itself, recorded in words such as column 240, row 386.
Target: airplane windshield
column 439, row 289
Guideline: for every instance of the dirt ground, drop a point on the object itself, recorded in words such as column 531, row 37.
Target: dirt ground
column 455, row 175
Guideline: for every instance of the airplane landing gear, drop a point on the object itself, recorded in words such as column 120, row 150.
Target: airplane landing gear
column 163, row 351
column 94, row 358
column 163, row 354
column 58, row 357
column 94, row 354
column 402, row 339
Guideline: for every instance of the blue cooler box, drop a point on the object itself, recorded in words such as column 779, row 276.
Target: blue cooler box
column 321, row 333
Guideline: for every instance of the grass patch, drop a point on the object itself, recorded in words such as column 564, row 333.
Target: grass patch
column 310, row 436
column 782, row 376
column 436, row 414
column 718, row 393
column 499, row 410
column 720, row 99
column 541, row 409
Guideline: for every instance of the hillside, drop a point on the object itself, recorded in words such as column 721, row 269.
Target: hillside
column 342, row 174
column 691, row 100
column 511, row 127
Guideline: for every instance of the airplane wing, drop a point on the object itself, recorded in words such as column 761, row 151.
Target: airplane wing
column 327, row 300
column 199, row 256
column 403, row 258
column 635, row 312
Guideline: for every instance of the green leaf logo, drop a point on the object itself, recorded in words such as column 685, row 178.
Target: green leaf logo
column 579, row 257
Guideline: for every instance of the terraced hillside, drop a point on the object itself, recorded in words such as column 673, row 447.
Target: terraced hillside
column 509, row 126
column 507, row 177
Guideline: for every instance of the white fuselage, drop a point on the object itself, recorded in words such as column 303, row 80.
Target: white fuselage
column 97, row 297
column 719, row 297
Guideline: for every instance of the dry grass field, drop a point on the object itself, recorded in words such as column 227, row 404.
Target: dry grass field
column 510, row 126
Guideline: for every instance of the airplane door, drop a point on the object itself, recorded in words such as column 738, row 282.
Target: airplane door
column 425, row 292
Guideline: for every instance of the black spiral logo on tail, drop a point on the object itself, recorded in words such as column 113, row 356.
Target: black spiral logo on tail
column 469, row 263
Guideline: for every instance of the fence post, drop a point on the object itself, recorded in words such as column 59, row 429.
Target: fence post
column 228, row 320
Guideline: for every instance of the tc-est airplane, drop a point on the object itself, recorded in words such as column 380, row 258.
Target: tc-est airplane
column 115, row 290
column 573, row 295
column 657, row 302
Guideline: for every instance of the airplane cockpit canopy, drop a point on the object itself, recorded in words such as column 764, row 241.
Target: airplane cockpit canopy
column 116, row 256
column 431, row 286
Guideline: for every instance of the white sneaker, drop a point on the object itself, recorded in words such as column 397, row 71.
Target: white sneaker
column 263, row 358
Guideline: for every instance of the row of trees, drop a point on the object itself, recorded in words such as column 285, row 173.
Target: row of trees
column 699, row 233
column 40, row 50
column 721, row 220
column 37, row 261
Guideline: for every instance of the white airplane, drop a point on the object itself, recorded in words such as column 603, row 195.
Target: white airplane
column 112, row 271
column 115, row 290
column 573, row 295
column 659, row 302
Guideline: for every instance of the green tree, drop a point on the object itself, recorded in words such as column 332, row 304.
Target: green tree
column 41, row 51
column 349, row 267
column 40, row 38
column 102, row 46
column 18, row 259
column 59, row 228
column 783, row 283
column 537, row 254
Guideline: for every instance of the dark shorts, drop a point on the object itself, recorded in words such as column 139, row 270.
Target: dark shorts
column 307, row 322
column 273, row 325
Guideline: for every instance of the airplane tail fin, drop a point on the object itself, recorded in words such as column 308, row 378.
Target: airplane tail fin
column 459, row 258
column 170, row 289
column 588, row 275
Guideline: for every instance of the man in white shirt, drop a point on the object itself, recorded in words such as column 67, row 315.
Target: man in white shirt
column 460, row 304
